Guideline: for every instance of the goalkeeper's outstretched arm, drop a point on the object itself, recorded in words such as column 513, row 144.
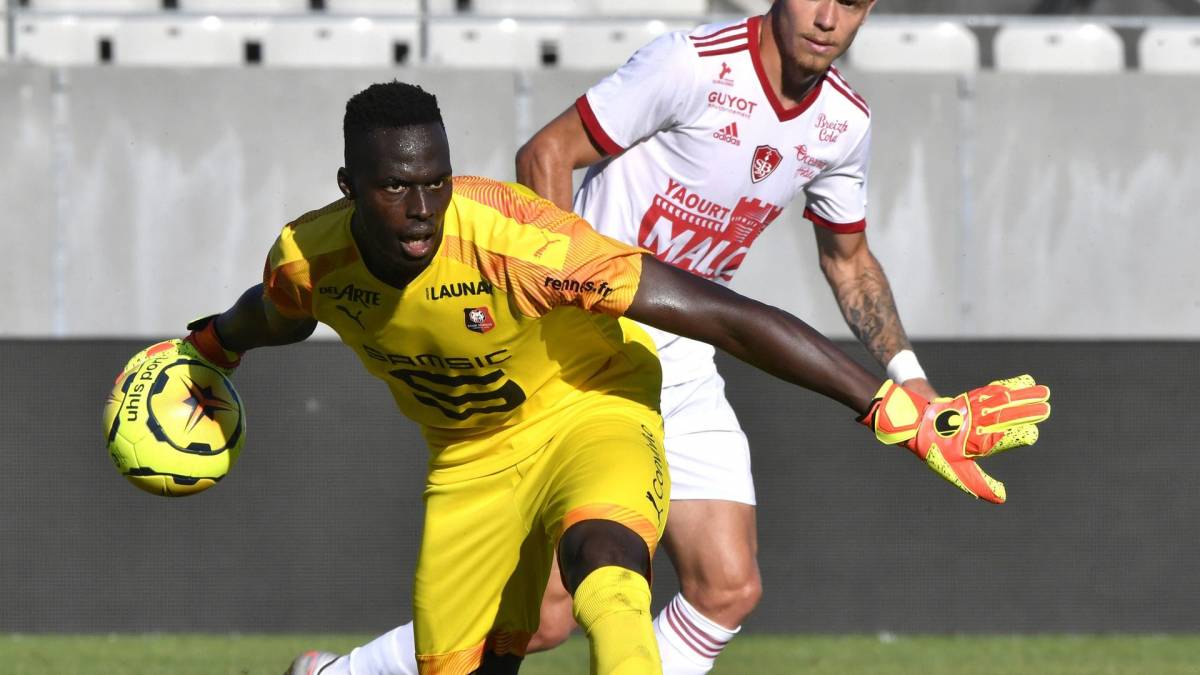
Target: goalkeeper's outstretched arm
column 763, row 336
column 253, row 321
column 948, row 435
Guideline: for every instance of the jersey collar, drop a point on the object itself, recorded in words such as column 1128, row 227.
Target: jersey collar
column 783, row 113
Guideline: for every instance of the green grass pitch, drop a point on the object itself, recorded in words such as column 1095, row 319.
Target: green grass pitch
column 751, row 654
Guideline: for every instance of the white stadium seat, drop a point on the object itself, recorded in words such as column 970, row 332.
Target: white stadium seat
column 488, row 43
column 96, row 6
column 1170, row 49
column 523, row 43
column 245, row 6
column 512, row 7
column 916, row 46
column 605, row 45
column 186, row 41
column 341, row 42
column 591, row 8
column 659, row 8
column 65, row 40
column 373, row 7
column 1058, row 48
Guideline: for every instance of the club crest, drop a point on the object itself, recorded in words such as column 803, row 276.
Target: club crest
column 479, row 319
column 766, row 159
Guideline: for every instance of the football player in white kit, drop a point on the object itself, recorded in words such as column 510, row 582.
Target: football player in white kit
column 694, row 147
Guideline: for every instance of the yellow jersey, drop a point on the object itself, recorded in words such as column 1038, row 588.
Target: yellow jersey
column 515, row 319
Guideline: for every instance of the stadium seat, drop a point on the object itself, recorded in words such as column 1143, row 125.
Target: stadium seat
column 1058, row 48
column 584, row 8
column 186, row 41
column 245, row 6
column 603, row 45
column 658, row 8
column 65, row 40
column 96, row 6
column 341, row 42
column 914, row 46
column 510, row 7
column 488, row 43
column 373, row 8
column 1170, row 49
column 523, row 43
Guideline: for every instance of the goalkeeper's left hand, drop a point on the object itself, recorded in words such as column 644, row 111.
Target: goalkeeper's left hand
column 204, row 341
column 950, row 434
column 201, row 343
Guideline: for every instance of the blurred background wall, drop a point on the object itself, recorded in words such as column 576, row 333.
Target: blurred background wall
column 1004, row 205
column 1032, row 196
column 1022, row 158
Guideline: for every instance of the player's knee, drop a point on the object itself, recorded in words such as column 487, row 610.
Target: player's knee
column 591, row 544
column 728, row 600
column 748, row 594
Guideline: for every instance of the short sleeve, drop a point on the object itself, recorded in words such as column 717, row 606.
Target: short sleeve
column 287, row 282
column 600, row 274
column 543, row 256
column 837, row 198
column 646, row 95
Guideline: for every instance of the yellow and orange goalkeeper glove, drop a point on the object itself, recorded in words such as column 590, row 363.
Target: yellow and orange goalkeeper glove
column 949, row 434
column 204, row 340
column 201, row 343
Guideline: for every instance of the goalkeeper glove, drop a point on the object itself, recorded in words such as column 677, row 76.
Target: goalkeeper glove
column 949, row 434
column 205, row 343
column 202, row 343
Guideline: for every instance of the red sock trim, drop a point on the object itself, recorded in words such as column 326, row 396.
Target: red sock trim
column 692, row 635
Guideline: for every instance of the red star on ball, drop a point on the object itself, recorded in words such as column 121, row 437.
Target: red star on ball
column 204, row 404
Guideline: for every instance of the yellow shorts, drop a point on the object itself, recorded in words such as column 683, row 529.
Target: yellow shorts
column 488, row 542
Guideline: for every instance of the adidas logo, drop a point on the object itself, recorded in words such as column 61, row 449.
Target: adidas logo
column 729, row 134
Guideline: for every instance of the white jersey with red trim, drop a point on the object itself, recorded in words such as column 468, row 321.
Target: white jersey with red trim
column 703, row 156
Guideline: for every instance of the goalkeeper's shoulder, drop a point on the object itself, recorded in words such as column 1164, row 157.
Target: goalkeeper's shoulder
column 313, row 244
column 315, row 235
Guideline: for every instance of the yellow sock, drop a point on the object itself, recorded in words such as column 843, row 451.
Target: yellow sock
column 612, row 605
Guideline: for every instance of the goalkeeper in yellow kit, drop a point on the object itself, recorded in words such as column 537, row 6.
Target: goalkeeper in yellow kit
column 499, row 323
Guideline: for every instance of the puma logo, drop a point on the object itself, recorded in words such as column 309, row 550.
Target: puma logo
column 355, row 317
column 542, row 249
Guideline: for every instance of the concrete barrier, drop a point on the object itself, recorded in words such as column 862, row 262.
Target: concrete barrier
column 1002, row 206
column 316, row 528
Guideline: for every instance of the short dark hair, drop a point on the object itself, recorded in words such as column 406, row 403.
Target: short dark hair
column 388, row 105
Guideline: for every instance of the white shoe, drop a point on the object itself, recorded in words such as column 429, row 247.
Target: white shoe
column 312, row 663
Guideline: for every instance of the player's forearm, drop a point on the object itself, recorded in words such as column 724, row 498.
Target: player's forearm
column 784, row 346
column 543, row 169
column 249, row 323
column 763, row 336
column 867, row 304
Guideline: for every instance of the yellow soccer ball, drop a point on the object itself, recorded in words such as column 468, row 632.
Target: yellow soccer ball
column 173, row 422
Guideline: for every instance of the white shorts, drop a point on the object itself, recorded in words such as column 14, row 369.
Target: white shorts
column 708, row 455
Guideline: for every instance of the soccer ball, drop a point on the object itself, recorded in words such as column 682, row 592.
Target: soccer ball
column 173, row 422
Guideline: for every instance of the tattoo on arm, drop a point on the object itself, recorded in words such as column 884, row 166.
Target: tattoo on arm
column 869, row 308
